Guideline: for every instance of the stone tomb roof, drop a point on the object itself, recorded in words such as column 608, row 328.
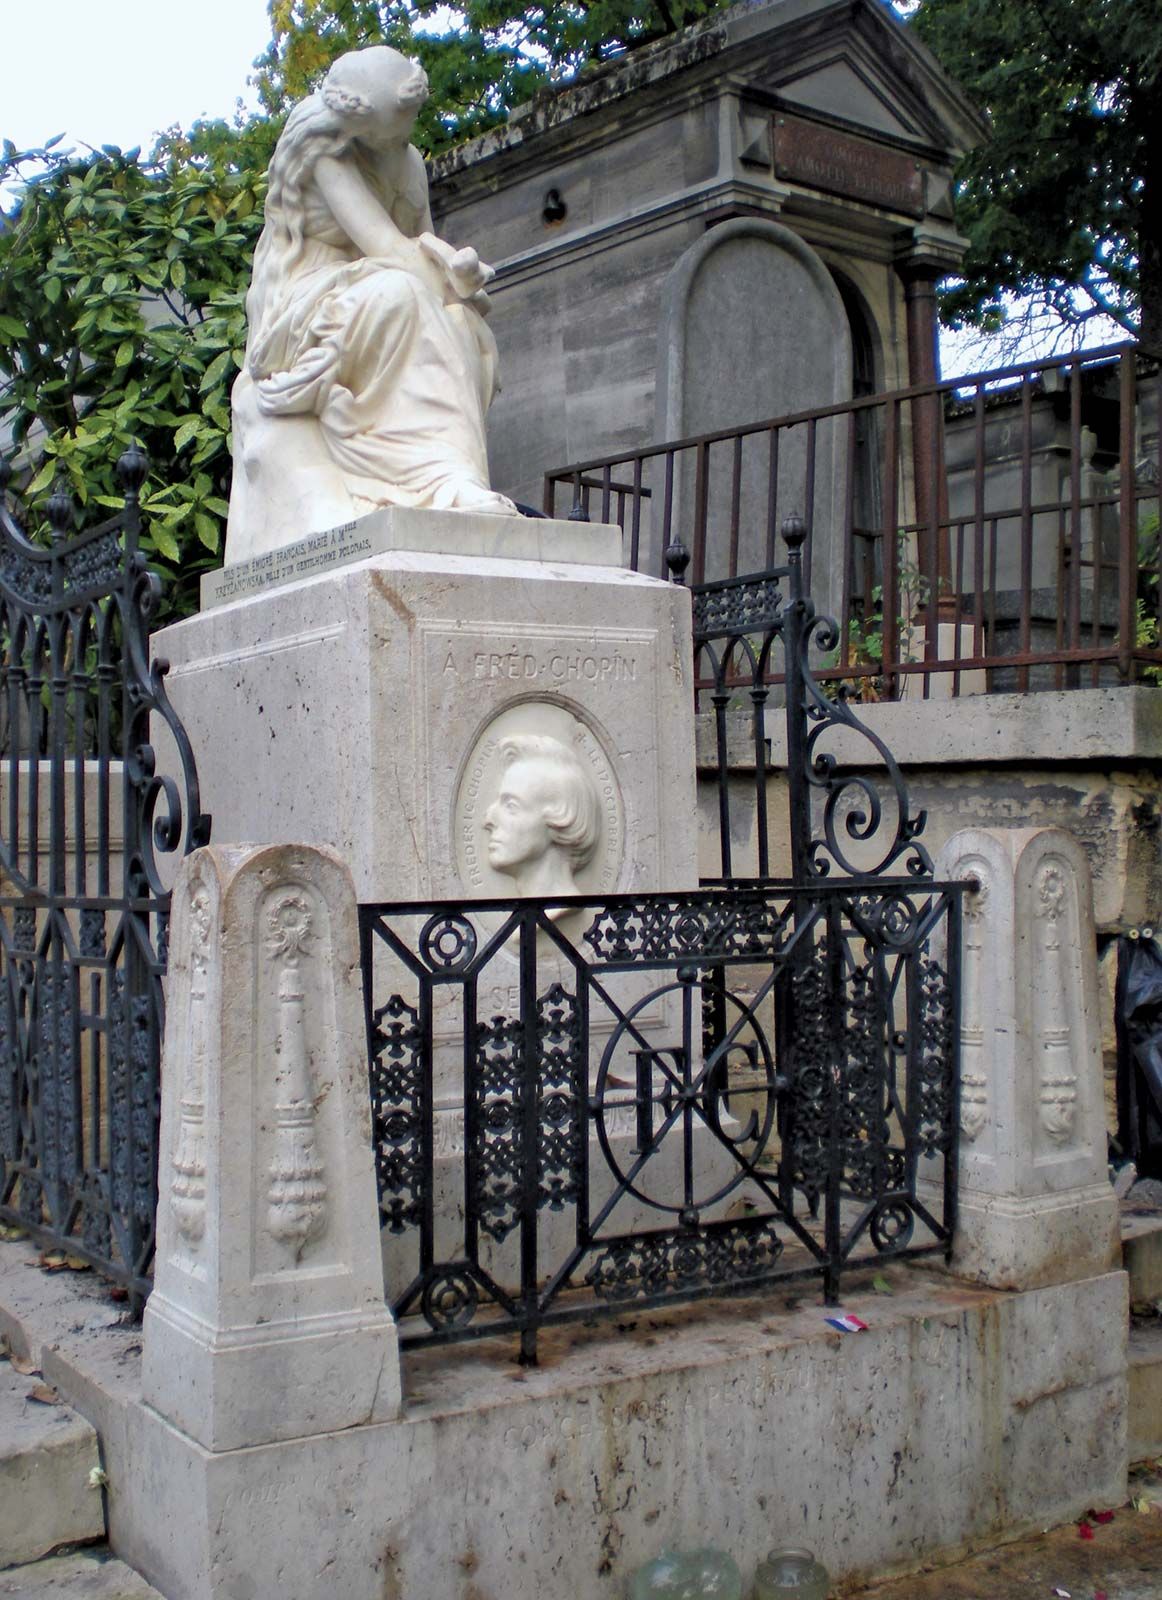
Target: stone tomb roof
column 848, row 63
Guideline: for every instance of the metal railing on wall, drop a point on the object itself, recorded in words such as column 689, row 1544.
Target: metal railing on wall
column 1013, row 548
column 86, row 817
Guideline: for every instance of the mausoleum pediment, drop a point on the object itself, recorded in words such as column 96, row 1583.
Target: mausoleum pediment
column 847, row 89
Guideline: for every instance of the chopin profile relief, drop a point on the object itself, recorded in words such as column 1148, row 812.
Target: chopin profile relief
column 544, row 825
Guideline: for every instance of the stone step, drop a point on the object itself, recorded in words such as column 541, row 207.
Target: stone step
column 47, row 1453
column 1142, row 1256
column 1145, row 1399
column 84, row 1575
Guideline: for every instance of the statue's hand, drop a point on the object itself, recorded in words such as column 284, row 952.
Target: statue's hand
column 465, row 271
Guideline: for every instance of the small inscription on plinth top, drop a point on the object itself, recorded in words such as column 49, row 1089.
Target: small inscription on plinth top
column 455, row 533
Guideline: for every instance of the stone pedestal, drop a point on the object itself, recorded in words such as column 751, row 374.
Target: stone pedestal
column 368, row 708
column 365, row 708
column 1036, row 1206
column 267, row 1319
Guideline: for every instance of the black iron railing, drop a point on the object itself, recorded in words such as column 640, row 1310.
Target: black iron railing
column 85, row 816
column 592, row 1104
column 991, row 532
column 753, row 642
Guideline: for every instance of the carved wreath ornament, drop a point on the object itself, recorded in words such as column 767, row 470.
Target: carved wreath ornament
column 289, row 921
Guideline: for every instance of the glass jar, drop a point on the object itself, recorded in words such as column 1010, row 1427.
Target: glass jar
column 687, row 1575
column 791, row 1575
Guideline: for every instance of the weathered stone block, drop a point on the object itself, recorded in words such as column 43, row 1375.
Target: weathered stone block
column 1036, row 1206
column 267, row 1319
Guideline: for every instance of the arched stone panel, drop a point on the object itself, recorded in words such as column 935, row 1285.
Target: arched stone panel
column 753, row 326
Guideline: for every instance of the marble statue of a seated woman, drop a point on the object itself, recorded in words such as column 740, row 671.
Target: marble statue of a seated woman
column 369, row 366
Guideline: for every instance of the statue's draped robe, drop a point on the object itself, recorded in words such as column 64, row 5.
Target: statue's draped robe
column 396, row 376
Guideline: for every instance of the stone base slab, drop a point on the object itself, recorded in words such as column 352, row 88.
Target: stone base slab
column 1013, row 1241
column 1142, row 1256
column 234, row 1381
column 46, row 1456
column 1146, row 1391
column 953, row 1421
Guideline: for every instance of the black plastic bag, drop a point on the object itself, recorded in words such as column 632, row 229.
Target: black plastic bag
column 1138, row 1020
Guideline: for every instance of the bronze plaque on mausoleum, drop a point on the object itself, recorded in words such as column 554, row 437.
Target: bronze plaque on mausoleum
column 844, row 164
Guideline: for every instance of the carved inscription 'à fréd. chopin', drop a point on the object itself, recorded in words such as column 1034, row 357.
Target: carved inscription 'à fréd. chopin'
column 552, row 666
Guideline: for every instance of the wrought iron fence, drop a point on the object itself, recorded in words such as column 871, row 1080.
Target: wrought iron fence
column 753, row 642
column 85, row 815
column 587, row 1105
column 991, row 532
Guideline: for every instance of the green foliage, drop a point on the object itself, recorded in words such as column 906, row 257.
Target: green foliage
column 1064, row 202
column 122, row 287
column 1147, row 634
column 865, row 634
column 482, row 56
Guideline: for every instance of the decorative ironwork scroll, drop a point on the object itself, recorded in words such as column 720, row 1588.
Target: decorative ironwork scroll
column 754, row 638
column 87, row 819
column 686, row 1094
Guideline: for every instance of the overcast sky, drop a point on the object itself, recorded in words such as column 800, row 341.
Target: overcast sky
column 118, row 71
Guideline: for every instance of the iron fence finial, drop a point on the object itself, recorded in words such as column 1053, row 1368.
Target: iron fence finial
column 677, row 560
column 132, row 468
column 61, row 511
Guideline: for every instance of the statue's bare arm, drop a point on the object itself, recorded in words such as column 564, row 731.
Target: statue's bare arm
column 360, row 214
column 362, row 217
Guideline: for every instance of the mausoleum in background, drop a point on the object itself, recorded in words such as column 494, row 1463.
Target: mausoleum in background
column 743, row 222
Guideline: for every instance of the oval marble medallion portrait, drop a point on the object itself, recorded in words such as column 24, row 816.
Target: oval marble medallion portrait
column 538, row 809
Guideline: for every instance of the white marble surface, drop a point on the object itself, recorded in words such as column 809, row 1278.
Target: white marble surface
column 369, row 365
column 460, row 533
column 363, row 710
column 267, row 1318
column 1035, row 1202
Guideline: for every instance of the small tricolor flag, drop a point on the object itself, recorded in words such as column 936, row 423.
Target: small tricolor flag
column 846, row 1323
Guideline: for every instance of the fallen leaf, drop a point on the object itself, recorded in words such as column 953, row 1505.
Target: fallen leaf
column 8, row 1232
column 59, row 1261
column 1084, row 1530
column 25, row 1367
column 881, row 1285
column 1062, row 1594
column 1140, row 1503
column 45, row 1395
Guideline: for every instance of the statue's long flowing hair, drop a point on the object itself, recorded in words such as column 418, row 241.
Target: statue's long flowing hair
column 313, row 130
